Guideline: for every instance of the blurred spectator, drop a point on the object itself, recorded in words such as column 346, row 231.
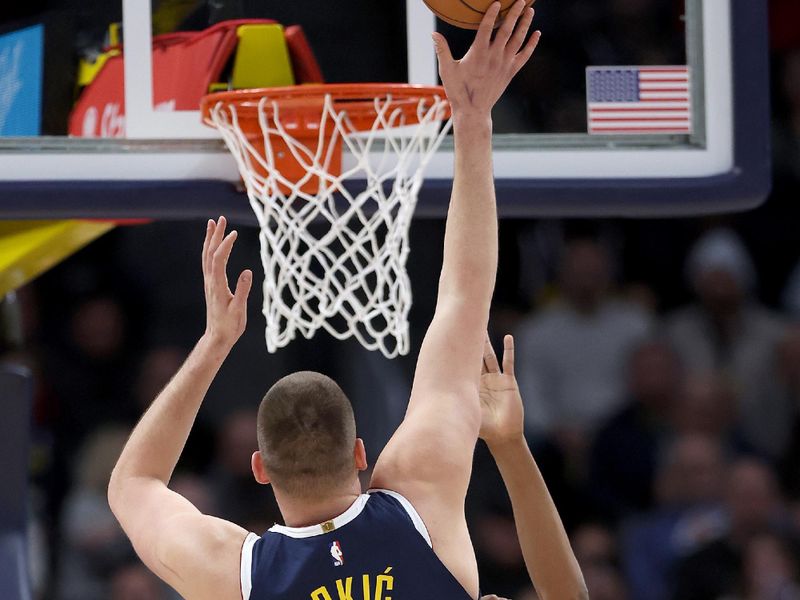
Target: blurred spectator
column 688, row 488
column 528, row 594
column 595, row 548
column 752, row 505
column 707, row 406
column 727, row 331
column 157, row 368
column 91, row 373
column 573, row 353
column 796, row 514
column 788, row 379
column 791, row 293
column 196, row 490
column 691, row 472
column 236, row 493
column 502, row 568
column 134, row 582
column 771, row 568
column 12, row 336
column 93, row 542
column 604, row 583
column 642, row 295
column 787, row 130
column 594, row 543
column 38, row 549
column 624, row 454
column 98, row 329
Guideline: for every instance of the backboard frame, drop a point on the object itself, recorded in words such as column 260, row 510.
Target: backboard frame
column 199, row 178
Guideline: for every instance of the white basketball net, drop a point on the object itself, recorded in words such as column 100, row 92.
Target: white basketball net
column 336, row 259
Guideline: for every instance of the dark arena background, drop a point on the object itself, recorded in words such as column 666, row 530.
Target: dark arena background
column 658, row 358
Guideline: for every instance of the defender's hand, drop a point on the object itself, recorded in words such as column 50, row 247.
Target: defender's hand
column 226, row 312
column 474, row 83
column 501, row 402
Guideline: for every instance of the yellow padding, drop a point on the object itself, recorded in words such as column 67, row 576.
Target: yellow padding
column 115, row 34
column 262, row 58
column 29, row 248
column 169, row 14
column 88, row 70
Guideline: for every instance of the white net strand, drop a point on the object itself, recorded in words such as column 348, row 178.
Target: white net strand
column 336, row 259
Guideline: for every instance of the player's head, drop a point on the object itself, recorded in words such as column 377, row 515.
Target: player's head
column 585, row 272
column 307, row 437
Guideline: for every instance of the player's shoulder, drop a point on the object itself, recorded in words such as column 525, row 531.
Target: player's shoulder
column 401, row 507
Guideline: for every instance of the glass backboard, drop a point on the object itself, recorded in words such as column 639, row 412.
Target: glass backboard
column 143, row 152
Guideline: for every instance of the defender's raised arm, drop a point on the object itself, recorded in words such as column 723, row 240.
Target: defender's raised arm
column 429, row 459
column 551, row 563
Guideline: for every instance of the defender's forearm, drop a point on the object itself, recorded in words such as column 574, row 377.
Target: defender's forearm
column 158, row 440
column 470, row 243
column 551, row 563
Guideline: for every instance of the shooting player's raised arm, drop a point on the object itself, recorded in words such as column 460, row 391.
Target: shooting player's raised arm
column 429, row 459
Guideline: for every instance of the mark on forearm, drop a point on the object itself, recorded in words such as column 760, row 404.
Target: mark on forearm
column 470, row 94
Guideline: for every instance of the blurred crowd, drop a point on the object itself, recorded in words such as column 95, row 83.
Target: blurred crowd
column 668, row 435
column 669, row 438
column 659, row 363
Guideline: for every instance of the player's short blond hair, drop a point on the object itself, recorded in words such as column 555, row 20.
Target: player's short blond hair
column 306, row 434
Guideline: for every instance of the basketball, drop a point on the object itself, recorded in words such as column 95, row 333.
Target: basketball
column 467, row 14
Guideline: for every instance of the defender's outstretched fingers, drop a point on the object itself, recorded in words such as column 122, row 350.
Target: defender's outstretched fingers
column 483, row 38
column 508, row 355
column 521, row 32
column 489, row 357
column 509, row 22
column 525, row 54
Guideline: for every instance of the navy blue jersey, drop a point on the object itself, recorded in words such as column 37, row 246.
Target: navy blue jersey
column 379, row 549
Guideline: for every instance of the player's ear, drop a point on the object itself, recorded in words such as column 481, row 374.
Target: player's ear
column 360, row 453
column 259, row 472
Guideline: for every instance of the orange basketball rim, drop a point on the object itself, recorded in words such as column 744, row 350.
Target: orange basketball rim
column 278, row 121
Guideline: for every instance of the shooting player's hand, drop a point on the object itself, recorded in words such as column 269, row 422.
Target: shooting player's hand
column 474, row 83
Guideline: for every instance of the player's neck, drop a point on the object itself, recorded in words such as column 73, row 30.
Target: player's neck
column 312, row 511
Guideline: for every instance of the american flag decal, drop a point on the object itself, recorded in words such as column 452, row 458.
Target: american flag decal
column 639, row 100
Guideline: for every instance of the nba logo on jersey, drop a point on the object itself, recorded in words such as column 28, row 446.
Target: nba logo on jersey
column 337, row 554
